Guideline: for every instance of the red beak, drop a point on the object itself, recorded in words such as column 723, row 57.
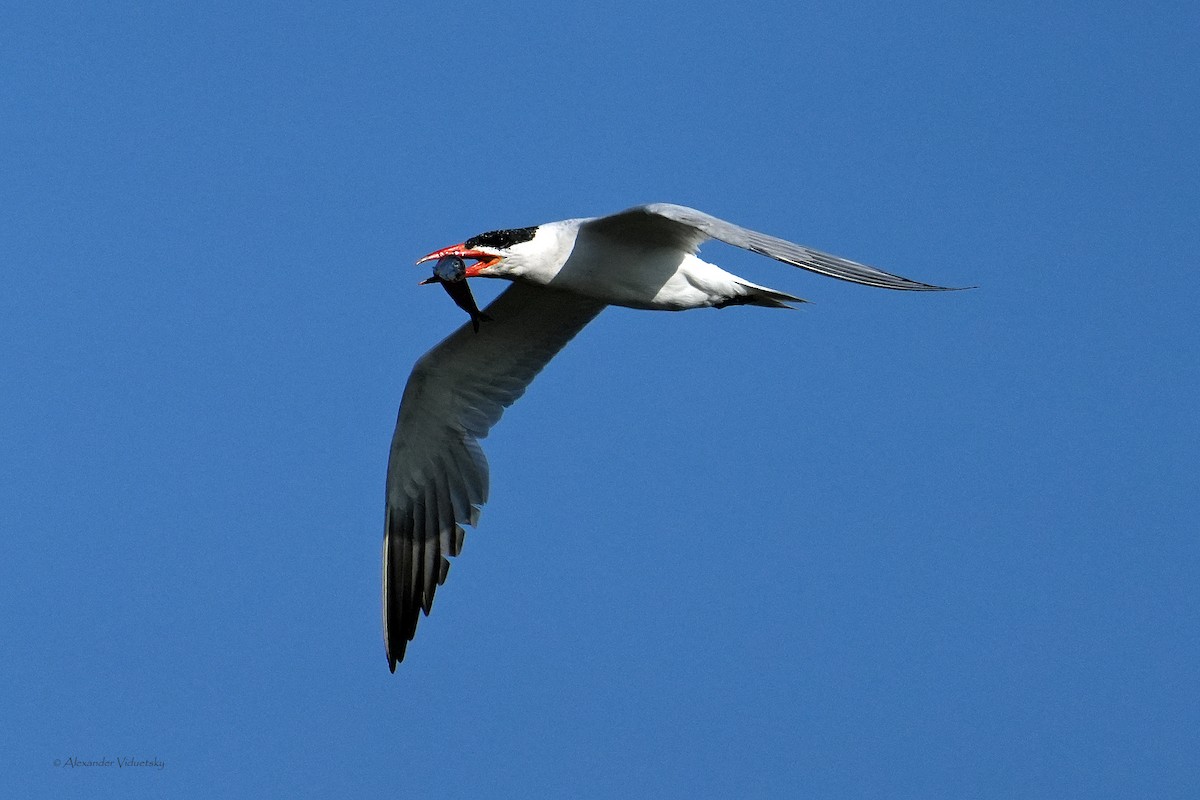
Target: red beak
column 462, row 251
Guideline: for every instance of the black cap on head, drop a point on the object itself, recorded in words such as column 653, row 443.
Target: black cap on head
column 501, row 240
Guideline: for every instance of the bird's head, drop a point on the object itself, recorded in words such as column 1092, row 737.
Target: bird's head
column 494, row 252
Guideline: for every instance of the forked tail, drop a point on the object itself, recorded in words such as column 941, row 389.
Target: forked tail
column 755, row 295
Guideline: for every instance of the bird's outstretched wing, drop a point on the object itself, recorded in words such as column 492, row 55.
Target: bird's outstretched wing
column 437, row 475
column 669, row 224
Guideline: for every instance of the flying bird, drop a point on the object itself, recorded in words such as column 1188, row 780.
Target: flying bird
column 563, row 275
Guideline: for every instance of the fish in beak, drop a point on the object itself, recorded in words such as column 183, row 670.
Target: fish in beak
column 451, row 272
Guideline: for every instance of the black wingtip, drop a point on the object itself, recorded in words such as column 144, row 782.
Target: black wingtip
column 395, row 655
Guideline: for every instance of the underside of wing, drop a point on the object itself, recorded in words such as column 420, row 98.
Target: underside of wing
column 680, row 220
column 437, row 474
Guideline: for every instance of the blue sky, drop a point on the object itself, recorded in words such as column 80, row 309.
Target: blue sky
column 888, row 545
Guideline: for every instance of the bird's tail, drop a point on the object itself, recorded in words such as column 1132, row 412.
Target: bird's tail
column 755, row 295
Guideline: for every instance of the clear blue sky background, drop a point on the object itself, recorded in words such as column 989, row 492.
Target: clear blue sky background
column 889, row 545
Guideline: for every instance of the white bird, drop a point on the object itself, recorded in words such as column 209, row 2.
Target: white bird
column 564, row 274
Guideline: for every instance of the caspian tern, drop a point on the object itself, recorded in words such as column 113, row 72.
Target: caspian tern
column 563, row 274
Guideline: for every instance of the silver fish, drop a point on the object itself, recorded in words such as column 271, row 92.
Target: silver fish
column 450, row 268
column 450, row 272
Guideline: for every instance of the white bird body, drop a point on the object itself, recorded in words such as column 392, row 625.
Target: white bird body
column 570, row 256
column 564, row 274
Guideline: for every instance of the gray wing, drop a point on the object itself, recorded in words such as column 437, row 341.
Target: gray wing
column 666, row 223
column 437, row 475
